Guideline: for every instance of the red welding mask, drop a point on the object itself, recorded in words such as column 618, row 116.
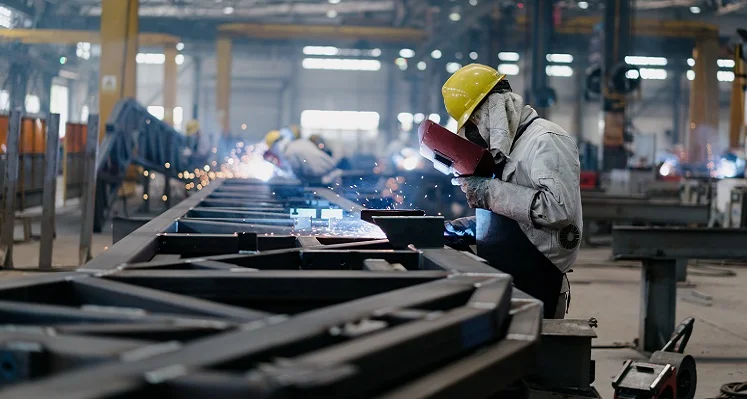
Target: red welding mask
column 453, row 154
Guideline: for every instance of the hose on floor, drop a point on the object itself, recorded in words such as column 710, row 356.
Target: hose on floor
column 733, row 390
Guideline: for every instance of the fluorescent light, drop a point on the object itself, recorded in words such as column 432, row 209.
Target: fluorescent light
column 653, row 73
column 228, row 10
column 436, row 54
column 473, row 2
column 508, row 69
column 404, row 117
column 695, row 10
column 725, row 76
column 691, row 62
column 690, row 75
column 150, row 58
column 638, row 60
column 179, row 59
column 559, row 70
column 452, row 67
column 583, row 5
column 726, row 63
column 473, row 55
column 421, row 66
column 560, row 58
column 508, row 56
column 417, row 118
column 180, row 46
column 341, row 64
column 339, row 120
column 455, row 16
column 401, row 63
column 407, row 53
column 331, row 14
column 375, row 52
column 334, row 1
column 320, row 50
column 632, row 74
column 435, row 117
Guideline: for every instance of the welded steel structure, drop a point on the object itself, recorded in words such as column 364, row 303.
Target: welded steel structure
column 239, row 291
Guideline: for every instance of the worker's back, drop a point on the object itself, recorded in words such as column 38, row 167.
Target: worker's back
column 307, row 160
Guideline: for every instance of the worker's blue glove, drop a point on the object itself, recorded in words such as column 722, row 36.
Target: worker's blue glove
column 476, row 189
column 462, row 227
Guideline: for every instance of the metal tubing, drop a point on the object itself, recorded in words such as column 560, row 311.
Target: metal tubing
column 658, row 303
column 49, row 206
column 9, row 190
column 88, row 203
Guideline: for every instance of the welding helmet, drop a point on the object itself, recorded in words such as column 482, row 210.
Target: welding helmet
column 192, row 127
column 272, row 137
column 466, row 89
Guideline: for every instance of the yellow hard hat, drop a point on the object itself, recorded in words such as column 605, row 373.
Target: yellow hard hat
column 192, row 127
column 272, row 137
column 466, row 88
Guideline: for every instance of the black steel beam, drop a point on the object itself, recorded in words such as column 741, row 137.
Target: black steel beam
column 644, row 211
column 678, row 243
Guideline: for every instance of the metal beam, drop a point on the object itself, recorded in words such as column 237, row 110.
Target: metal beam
column 73, row 37
column 644, row 211
column 323, row 32
column 170, row 74
column 224, row 59
column 678, row 243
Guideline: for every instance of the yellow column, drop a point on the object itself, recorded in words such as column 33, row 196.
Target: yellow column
column 736, row 115
column 704, row 102
column 223, row 84
column 119, row 46
column 169, row 83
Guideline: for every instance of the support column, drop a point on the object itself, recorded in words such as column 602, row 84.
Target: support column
column 196, row 90
column 677, row 108
column 119, row 46
column 45, row 97
column 577, row 119
column 223, row 52
column 542, row 24
column 736, row 114
column 19, row 80
column 170, row 75
column 658, row 303
column 704, row 101
column 616, row 46
column 391, row 102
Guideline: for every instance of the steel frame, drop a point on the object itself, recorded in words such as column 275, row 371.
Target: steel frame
column 662, row 250
column 261, row 305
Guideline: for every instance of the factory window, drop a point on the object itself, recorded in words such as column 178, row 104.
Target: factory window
column 6, row 17
column 33, row 106
column 83, row 50
column 348, row 52
column 725, row 76
column 156, row 110
column 638, row 60
column 4, row 100
column 653, row 73
column 559, row 70
column 508, row 56
column 150, row 58
column 178, row 116
column 58, row 105
column 508, row 69
column 341, row 64
column 560, row 58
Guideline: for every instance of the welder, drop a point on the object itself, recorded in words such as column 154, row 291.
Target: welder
column 528, row 214
column 307, row 161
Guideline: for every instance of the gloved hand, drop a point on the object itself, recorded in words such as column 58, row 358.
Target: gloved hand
column 462, row 227
column 476, row 189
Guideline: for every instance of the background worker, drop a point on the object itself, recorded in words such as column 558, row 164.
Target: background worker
column 528, row 216
column 305, row 159
column 199, row 145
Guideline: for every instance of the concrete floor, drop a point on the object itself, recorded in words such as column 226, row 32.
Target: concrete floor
column 600, row 289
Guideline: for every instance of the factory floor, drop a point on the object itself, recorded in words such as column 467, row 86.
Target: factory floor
column 608, row 291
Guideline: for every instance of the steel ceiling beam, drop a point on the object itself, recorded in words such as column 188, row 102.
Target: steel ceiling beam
column 326, row 32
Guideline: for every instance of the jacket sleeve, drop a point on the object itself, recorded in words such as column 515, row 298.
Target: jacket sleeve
column 555, row 173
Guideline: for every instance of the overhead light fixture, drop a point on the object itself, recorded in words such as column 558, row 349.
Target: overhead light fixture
column 401, row 63
column 508, row 69
column 436, row 54
column 180, row 46
column 560, row 58
column 473, row 2
column 452, row 67
column 508, row 56
column 375, row 52
column 331, row 14
column 691, row 62
column 639, row 60
column 695, row 10
column 455, row 16
column 421, row 66
column 583, row 5
column 334, row 1
column 407, row 53
column 417, row 118
column 726, row 63
column 690, row 75
column 228, row 10
column 63, row 60
column 473, row 55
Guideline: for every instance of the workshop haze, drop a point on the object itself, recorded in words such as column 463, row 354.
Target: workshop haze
column 400, row 199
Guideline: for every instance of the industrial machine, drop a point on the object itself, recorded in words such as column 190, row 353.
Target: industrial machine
column 737, row 215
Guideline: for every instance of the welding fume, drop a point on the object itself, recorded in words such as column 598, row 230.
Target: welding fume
column 520, row 173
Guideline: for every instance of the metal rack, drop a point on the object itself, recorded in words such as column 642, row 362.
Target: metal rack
column 250, row 290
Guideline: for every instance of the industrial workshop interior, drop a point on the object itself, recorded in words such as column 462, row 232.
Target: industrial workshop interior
column 400, row 199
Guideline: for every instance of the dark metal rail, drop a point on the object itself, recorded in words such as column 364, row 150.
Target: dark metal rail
column 288, row 302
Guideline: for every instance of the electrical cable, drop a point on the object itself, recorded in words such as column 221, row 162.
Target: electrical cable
column 732, row 390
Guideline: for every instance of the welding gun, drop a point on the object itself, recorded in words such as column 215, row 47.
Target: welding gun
column 452, row 154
